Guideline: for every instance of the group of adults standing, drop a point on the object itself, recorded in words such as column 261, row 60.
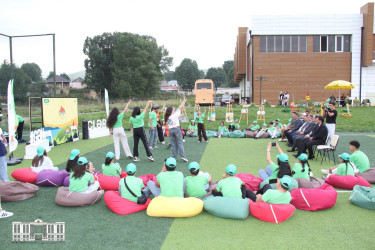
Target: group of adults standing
column 284, row 98
column 171, row 118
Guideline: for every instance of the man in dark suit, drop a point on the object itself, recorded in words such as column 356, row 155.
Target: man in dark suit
column 307, row 130
column 317, row 137
column 293, row 128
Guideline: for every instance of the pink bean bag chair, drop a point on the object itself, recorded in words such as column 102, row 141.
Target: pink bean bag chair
column 346, row 181
column 51, row 178
column 314, row 199
column 368, row 175
column 16, row 191
column 251, row 182
column 148, row 177
column 274, row 213
column 122, row 206
column 25, row 175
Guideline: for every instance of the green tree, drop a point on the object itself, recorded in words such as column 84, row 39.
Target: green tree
column 217, row 75
column 230, row 78
column 201, row 74
column 227, row 65
column 38, row 89
column 169, row 75
column 187, row 73
column 33, row 71
column 21, row 81
column 65, row 76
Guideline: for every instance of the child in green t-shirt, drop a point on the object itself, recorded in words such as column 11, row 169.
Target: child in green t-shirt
column 301, row 169
column 280, row 195
column 81, row 176
column 272, row 130
column 262, row 131
column 234, row 126
column 274, row 170
column 73, row 159
column 201, row 129
column 109, row 167
column 344, row 168
column 134, row 184
column 196, row 184
column 221, row 129
column 192, row 128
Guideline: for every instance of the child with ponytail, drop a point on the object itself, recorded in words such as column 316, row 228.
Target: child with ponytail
column 301, row 169
column 109, row 167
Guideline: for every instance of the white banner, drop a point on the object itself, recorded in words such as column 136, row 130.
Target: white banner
column 12, row 126
column 106, row 99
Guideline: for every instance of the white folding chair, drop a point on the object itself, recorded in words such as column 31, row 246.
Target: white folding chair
column 326, row 149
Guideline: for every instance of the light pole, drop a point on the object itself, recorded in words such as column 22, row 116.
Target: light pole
column 260, row 79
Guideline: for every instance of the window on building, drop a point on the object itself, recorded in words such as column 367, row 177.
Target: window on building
column 270, row 43
column 347, row 43
column 323, row 43
column 283, row 44
column 331, row 43
column 263, row 43
column 294, row 43
column 302, row 44
column 286, row 43
column 316, row 43
column 278, row 43
column 339, row 41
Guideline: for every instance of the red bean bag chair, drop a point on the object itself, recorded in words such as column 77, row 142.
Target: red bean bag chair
column 148, row 177
column 251, row 182
column 25, row 175
column 122, row 206
column 123, row 174
column 108, row 183
column 16, row 191
column 368, row 175
column 314, row 199
column 275, row 213
column 51, row 178
column 346, row 181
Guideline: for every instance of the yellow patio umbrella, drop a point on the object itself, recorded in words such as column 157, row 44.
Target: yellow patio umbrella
column 339, row 84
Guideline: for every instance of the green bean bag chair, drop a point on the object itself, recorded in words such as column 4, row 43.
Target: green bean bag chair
column 294, row 183
column 211, row 133
column 236, row 134
column 227, row 207
column 363, row 197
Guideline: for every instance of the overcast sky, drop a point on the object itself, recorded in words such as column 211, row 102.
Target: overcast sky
column 203, row 30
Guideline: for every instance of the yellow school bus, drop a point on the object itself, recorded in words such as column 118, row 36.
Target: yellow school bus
column 204, row 92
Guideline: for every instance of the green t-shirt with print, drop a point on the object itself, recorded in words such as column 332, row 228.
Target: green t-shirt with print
column 237, row 127
column 254, row 127
column 195, row 185
column 272, row 129
column 275, row 171
column 195, row 127
column 360, row 160
column 342, row 170
column 201, row 117
column 111, row 170
column 152, row 116
column 138, row 121
column 230, row 187
column 276, row 197
column 279, row 125
column 297, row 168
column 171, row 184
column 80, row 184
column 119, row 120
column 222, row 128
column 135, row 185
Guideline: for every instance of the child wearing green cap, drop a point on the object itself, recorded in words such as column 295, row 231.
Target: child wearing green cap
column 192, row 128
column 81, row 177
column 169, row 182
column 132, row 185
column 280, row 195
column 221, row 129
column 109, row 167
column 253, row 129
column 201, row 129
column 301, row 169
column 73, row 159
column 272, row 130
column 234, row 126
column 278, row 170
column 344, row 168
column 196, row 184
column 152, row 124
column 41, row 161
column 229, row 186
column 262, row 132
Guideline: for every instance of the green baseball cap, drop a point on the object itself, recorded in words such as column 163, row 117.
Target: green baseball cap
column 131, row 168
column 255, row 122
column 291, row 119
column 265, row 124
column 194, row 165
column 82, row 161
column 171, row 162
column 283, row 157
column 231, row 169
column 40, row 151
column 277, row 120
column 236, row 120
column 285, row 181
column 345, row 156
column 74, row 153
column 192, row 120
column 302, row 157
column 110, row 155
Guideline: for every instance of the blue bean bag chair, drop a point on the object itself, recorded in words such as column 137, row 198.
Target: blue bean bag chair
column 227, row 207
column 363, row 197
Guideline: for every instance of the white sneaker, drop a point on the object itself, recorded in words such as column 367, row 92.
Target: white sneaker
column 155, row 147
column 324, row 171
column 151, row 158
column 199, row 141
column 311, row 174
column 136, row 158
column 163, row 142
column 184, row 159
column 150, row 147
column 5, row 214
column 280, row 139
column 183, row 140
column 206, row 141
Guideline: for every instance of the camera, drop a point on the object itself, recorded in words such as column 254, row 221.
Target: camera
column 273, row 144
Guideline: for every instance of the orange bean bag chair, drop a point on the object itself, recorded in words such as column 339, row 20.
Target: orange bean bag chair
column 251, row 182
column 274, row 213
column 24, row 175
column 346, row 181
column 122, row 206
column 314, row 199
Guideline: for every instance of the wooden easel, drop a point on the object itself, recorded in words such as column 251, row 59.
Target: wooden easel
column 196, row 109
column 245, row 112
column 261, row 114
column 229, row 113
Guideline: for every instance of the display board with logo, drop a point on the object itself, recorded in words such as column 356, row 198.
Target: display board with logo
column 60, row 116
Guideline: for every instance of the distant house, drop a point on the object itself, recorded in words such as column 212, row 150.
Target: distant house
column 61, row 82
column 78, row 83
column 169, row 86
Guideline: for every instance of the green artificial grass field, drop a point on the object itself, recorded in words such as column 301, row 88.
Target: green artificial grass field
column 96, row 227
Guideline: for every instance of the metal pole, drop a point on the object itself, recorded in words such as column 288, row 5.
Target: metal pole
column 54, row 67
column 261, row 78
column 360, row 68
column 11, row 57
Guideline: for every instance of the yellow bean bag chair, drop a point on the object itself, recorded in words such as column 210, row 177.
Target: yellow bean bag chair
column 174, row 207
